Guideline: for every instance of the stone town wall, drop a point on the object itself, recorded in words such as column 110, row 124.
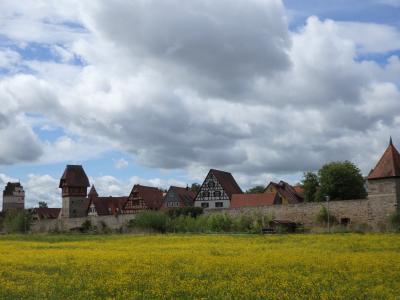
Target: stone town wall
column 66, row 224
column 382, row 202
column 374, row 211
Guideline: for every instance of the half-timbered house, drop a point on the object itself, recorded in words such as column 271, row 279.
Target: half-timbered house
column 143, row 197
column 217, row 190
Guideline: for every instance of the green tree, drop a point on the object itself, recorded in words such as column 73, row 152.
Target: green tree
column 341, row 181
column 17, row 221
column 42, row 204
column 310, row 185
column 195, row 188
column 258, row 189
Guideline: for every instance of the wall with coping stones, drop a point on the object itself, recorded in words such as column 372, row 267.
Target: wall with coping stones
column 374, row 211
column 382, row 202
column 65, row 224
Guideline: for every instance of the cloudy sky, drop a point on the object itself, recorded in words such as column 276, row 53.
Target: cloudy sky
column 158, row 92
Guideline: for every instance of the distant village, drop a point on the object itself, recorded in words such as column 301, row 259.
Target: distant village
column 219, row 191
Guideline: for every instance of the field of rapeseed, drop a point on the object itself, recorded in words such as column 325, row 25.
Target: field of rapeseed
column 346, row 266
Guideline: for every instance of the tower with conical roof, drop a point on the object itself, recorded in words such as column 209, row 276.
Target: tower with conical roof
column 384, row 179
column 74, row 184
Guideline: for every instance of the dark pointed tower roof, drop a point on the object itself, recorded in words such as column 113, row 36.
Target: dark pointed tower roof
column 75, row 176
column 389, row 164
column 93, row 192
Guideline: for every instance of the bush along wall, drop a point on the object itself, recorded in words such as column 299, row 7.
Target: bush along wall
column 17, row 221
column 176, row 221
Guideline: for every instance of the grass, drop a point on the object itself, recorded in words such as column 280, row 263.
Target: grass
column 338, row 266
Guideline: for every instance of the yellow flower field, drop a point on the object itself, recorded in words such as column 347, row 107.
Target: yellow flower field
column 339, row 266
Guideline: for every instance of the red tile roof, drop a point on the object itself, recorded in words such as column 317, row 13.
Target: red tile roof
column 186, row 196
column 47, row 212
column 153, row 197
column 389, row 164
column 106, row 205
column 252, row 200
column 74, row 176
column 227, row 182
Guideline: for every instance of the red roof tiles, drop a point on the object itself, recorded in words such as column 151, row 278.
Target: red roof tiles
column 47, row 213
column 227, row 182
column 253, row 200
column 74, row 176
column 388, row 165
column 153, row 197
column 106, row 205
column 185, row 195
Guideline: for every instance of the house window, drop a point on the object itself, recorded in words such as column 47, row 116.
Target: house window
column 219, row 204
column 206, row 194
column 204, row 204
column 217, row 194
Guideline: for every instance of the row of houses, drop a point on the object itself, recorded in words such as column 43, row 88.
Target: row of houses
column 219, row 190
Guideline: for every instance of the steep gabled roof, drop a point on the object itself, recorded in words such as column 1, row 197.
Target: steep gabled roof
column 108, row 205
column 74, row 176
column 185, row 194
column 287, row 191
column 388, row 165
column 227, row 182
column 252, row 200
column 152, row 196
column 105, row 205
column 93, row 192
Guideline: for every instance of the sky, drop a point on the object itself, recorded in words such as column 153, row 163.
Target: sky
column 158, row 92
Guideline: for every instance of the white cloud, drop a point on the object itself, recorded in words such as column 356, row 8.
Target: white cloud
column 121, row 163
column 193, row 85
column 42, row 188
column 8, row 58
column 370, row 37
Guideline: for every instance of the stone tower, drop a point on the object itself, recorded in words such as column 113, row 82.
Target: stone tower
column 74, row 184
column 384, row 179
column 13, row 196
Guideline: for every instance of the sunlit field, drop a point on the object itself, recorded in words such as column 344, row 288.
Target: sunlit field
column 346, row 266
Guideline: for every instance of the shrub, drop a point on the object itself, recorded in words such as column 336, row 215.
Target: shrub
column 104, row 227
column 185, row 211
column 395, row 221
column 17, row 221
column 322, row 217
column 219, row 223
column 151, row 220
column 87, row 226
column 182, row 224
